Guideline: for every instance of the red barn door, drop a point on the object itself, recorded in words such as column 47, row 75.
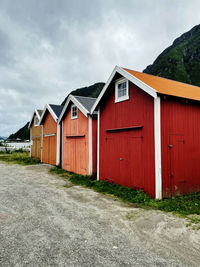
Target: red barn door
column 177, row 164
column 123, row 161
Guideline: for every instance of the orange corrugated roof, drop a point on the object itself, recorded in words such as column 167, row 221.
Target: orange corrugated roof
column 166, row 86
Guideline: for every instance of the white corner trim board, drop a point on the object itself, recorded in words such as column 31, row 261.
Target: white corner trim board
column 98, row 141
column 41, row 141
column 157, row 141
column 30, row 140
column 62, row 147
column 58, row 146
column 90, row 145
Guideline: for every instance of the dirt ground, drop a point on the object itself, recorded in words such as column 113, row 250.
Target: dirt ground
column 43, row 223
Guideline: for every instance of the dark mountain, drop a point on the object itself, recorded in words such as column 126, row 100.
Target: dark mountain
column 90, row 91
column 22, row 133
column 180, row 61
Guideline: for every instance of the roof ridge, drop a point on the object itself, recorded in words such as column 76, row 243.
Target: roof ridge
column 188, row 84
column 84, row 96
column 55, row 105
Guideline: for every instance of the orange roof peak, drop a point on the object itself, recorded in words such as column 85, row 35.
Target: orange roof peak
column 167, row 86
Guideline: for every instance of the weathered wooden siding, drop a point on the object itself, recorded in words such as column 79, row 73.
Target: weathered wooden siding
column 127, row 157
column 36, row 133
column 49, row 142
column 75, row 143
column 180, row 139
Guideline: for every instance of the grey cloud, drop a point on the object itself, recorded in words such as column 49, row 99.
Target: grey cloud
column 49, row 47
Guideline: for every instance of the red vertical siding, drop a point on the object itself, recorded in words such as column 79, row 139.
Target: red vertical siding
column 127, row 157
column 180, row 128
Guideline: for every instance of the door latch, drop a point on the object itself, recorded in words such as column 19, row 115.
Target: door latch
column 172, row 174
column 120, row 158
column 170, row 146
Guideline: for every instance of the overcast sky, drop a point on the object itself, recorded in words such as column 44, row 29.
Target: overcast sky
column 51, row 47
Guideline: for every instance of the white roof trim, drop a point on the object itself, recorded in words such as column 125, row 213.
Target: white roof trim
column 149, row 90
column 47, row 107
column 35, row 112
column 77, row 103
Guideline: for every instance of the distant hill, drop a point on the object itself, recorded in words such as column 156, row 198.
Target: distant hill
column 90, row 91
column 3, row 138
column 180, row 61
column 22, row 133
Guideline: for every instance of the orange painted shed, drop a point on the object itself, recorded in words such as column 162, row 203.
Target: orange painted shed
column 79, row 135
column 51, row 134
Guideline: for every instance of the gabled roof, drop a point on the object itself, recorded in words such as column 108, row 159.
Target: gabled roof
column 153, row 85
column 38, row 113
column 57, row 109
column 87, row 102
column 168, row 87
column 82, row 102
column 54, row 110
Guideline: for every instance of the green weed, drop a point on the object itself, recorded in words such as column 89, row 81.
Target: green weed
column 182, row 205
column 18, row 157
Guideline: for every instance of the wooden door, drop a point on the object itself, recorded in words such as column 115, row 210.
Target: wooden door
column 178, row 164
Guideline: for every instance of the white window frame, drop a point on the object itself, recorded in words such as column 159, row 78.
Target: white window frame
column 125, row 97
column 36, row 118
column 74, row 117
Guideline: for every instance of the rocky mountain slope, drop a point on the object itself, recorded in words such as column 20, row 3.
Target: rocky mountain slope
column 180, row 61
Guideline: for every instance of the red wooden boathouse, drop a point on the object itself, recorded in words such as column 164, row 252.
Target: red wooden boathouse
column 51, row 134
column 79, row 135
column 149, row 133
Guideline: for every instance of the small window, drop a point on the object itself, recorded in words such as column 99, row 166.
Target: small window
column 36, row 121
column 121, row 90
column 74, row 112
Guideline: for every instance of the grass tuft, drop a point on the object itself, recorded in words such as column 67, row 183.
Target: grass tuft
column 183, row 205
column 18, row 157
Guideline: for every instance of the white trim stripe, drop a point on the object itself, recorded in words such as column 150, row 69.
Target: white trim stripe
column 62, row 147
column 90, row 145
column 41, row 141
column 157, row 141
column 98, row 142
column 47, row 135
column 58, row 146
column 30, row 140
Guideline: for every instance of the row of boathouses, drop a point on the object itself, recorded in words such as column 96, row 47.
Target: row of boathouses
column 142, row 132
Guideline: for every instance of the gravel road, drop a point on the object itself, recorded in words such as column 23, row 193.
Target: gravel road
column 43, row 223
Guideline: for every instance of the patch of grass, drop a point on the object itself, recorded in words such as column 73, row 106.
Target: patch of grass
column 18, row 157
column 182, row 205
